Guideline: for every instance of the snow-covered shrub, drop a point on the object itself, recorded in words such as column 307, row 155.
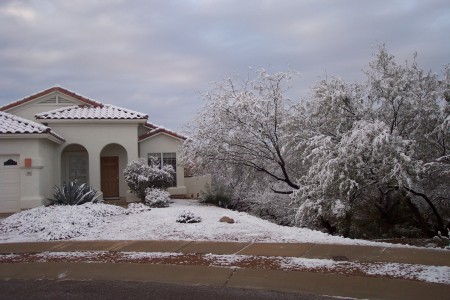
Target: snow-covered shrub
column 263, row 203
column 136, row 208
column 379, row 148
column 157, row 197
column 74, row 193
column 140, row 175
column 218, row 196
column 443, row 240
column 59, row 222
column 188, row 217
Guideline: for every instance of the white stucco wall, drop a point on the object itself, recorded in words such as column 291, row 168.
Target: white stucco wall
column 47, row 152
column 163, row 143
column 29, row 110
column 36, row 183
column 142, row 130
column 94, row 137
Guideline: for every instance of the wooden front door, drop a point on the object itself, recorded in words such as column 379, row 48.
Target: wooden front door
column 110, row 176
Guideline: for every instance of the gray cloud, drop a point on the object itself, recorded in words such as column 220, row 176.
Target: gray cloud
column 153, row 56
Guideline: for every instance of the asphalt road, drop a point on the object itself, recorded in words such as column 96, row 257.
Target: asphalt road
column 67, row 289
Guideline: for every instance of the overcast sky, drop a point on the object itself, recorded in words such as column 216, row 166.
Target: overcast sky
column 154, row 56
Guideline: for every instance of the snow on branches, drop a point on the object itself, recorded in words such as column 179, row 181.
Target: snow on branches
column 242, row 126
column 376, row 149
column 363, row 142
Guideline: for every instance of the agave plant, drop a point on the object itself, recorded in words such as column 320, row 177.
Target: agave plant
column 74, row 193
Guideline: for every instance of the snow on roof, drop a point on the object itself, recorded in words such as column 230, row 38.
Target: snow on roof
column 105, row 112
column 11, row 124
column 159, row 129
column 48, row 91
column 149, row 125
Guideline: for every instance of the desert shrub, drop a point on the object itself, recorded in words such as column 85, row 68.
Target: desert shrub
column 218, row 196
column 443, row 240
column 136, row 208
column 157, row 197
column 74, row 193
column 188, row 217
column 265, row 204
column 140, row 175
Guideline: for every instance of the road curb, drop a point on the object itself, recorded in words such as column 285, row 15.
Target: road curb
column 272, row 280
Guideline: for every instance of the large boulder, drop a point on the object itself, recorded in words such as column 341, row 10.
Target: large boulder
column 226, row 219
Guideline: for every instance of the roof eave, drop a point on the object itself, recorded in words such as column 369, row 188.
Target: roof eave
column 51, row 136
column 90, row 121
column 145, row 137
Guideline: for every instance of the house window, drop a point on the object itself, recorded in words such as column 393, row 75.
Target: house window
column 10, row 162
column 78, row 166
column 169, row 158
column 156, row 156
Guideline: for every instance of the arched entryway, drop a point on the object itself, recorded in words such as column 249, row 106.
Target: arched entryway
column 113, row 160
column 75, row 164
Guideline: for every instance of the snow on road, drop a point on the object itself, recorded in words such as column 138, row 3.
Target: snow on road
column 434, row 274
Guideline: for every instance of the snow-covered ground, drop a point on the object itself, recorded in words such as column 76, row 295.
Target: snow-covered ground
column 108, row 222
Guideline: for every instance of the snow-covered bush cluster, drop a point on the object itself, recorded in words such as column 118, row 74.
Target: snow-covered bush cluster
column 157, row 197
column 142, row 174
column 136, row 208
column 188, row 217
column 59, row 222
column 218, row 196
column 358, row 159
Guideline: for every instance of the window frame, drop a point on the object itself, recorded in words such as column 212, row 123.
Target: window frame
column 162, row 161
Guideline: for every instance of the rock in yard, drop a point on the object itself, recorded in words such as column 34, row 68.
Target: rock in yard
column 226, row 220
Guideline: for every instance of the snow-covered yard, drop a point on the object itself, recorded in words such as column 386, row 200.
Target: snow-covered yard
column 108, row 222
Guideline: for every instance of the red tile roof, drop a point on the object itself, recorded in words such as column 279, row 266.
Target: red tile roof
column 11, row 124
column 93, row 110
column 150, row 125
column 106, row 112
column 158, row 130
column 48, row 91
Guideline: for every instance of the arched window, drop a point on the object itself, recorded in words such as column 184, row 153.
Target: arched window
column 10, row 162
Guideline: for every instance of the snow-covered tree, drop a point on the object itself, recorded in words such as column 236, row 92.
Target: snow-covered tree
column 344, row 172
column 241, row 129
column 364, row 143
column 350, row 154
column 414, row 104
column 142, row 174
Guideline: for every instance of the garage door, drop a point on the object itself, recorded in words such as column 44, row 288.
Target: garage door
column 9, row 183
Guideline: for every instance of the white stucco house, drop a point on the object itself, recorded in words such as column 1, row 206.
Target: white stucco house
column 56, row 136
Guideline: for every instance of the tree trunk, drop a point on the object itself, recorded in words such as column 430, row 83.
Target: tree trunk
column 330, row 228
column 347, row 224
column 420, row 219
column 440, row 222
